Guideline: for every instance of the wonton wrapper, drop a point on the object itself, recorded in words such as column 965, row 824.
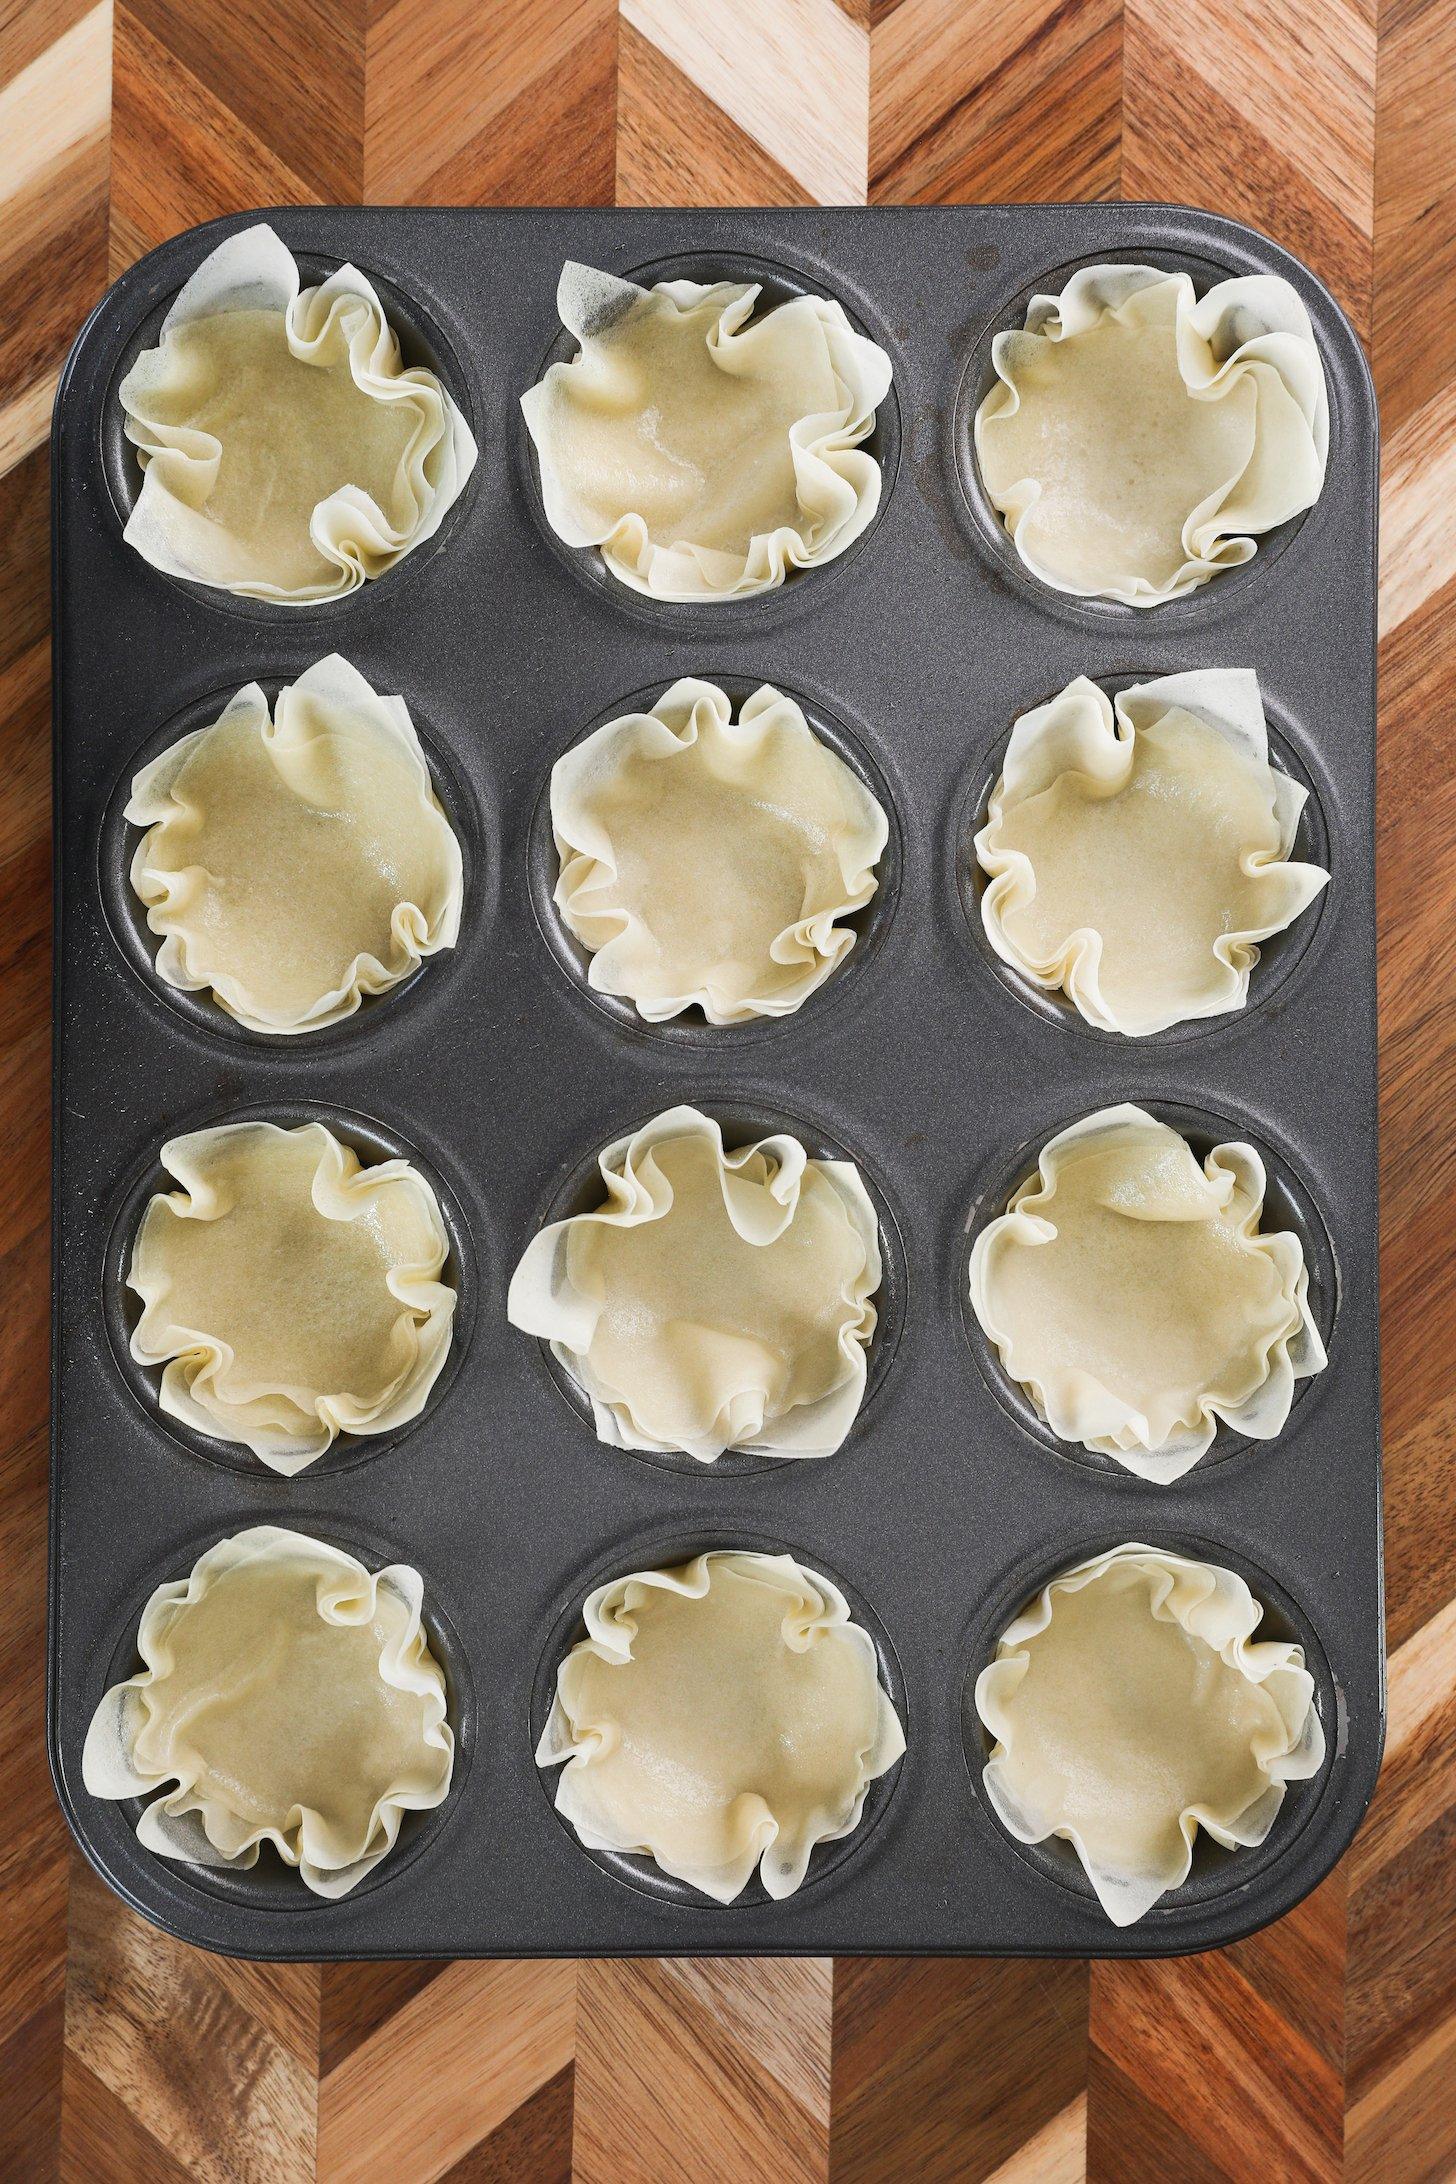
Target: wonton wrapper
column 1138, row 848
column 720, row 1716
column 704, row 454
column 291, row 1697
column 295, row 864
column 1130, row 1708
column 706, row 861
column 1139, row 438
column 714, row 1300
column 289, row 1293
column 286, row 452
column 1130, row 1293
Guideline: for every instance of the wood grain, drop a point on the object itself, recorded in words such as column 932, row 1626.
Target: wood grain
column 1323, row 2047
column 702, row 2069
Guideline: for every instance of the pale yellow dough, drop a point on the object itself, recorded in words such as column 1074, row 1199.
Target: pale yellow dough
column 715, row 1300
column 1129, row 1290
column 287, row 453
column 288, row 1696
column 720, row 1717
column 293, row 864
column 706, row 450
column 707, row 861
column 1130, row 1708
column 290, row 1294
column 1138, row 848
column 1138, row 438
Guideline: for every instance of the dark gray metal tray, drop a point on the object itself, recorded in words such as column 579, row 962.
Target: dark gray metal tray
column 948, row 1505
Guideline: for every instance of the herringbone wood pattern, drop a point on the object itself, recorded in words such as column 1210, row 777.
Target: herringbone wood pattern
column 1325, row 2046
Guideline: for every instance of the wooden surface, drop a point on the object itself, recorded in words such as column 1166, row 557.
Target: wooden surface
column 1325, row 2046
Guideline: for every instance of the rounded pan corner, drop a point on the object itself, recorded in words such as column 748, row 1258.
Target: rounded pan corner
column 1277, row 257
column 136, row 290
column 133, row 1898
column 160, row 1909
column 1275, row 1904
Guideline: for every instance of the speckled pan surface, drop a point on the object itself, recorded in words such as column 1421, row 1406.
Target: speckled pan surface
column 501, row 1074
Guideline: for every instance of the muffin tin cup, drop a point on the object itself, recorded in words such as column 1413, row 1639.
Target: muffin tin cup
column 690, row 1027
column 126, row 914
column 122, row 1307
column 1217, row 1878
column 1280, row 956
column 743, row 1121
column 1206, row 269
column 1289, row 1205
column 503, row 1075
column 271, row 1885
column 738, row 617
column 422, row 341
column 666, row 1552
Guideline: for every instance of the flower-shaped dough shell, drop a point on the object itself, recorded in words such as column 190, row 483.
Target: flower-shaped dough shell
column 293, row 864
column 1130, row 1707
column 710, row 861
column 288, row 1696
column 719, row 1717
column 1138, row 438
column 706, row 449
column 288, row 1293
column 1131, row 1294
column 1138, row 848
column 287, row 454
column 714, row 1300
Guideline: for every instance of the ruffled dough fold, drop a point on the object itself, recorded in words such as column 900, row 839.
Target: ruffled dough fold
column 1131, row 1707
column 720, row 1717
column 287, row 453
column 294, row 863
column 1130, row 1293
column 705, row 450
column 290, row 1294
column 1138, row 848
column 1139, row 438
column 289, row 1696
column 709, row 862
column 714, row 1300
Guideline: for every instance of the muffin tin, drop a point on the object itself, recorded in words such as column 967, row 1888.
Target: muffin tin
column 948, row 1506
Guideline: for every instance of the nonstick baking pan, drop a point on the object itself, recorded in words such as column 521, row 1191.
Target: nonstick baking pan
column 923, row 1058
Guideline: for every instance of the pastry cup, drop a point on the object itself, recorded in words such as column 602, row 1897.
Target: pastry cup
column 714, row 1299
column 705, row 451
column 288, row 1293
column 1131, row 1706
column 296, row 862
column 721, row 1717
column 287, row 454
column 289, row 1696
column 1138, row 849
column 1138, row 439
column 712, row 863
column 1129, row 1291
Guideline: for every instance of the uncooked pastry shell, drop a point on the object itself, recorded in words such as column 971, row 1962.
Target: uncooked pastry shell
column 400, row 425
column 711, row 862
column 1221, row 1331
column 1138, row 848
column 1193, row 1722
column 717, row 1748
column 706, row 452
column 269, row 1728
column 289, row 1294
column 1164, row 471
column 681, row 1335
column 294, row 863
